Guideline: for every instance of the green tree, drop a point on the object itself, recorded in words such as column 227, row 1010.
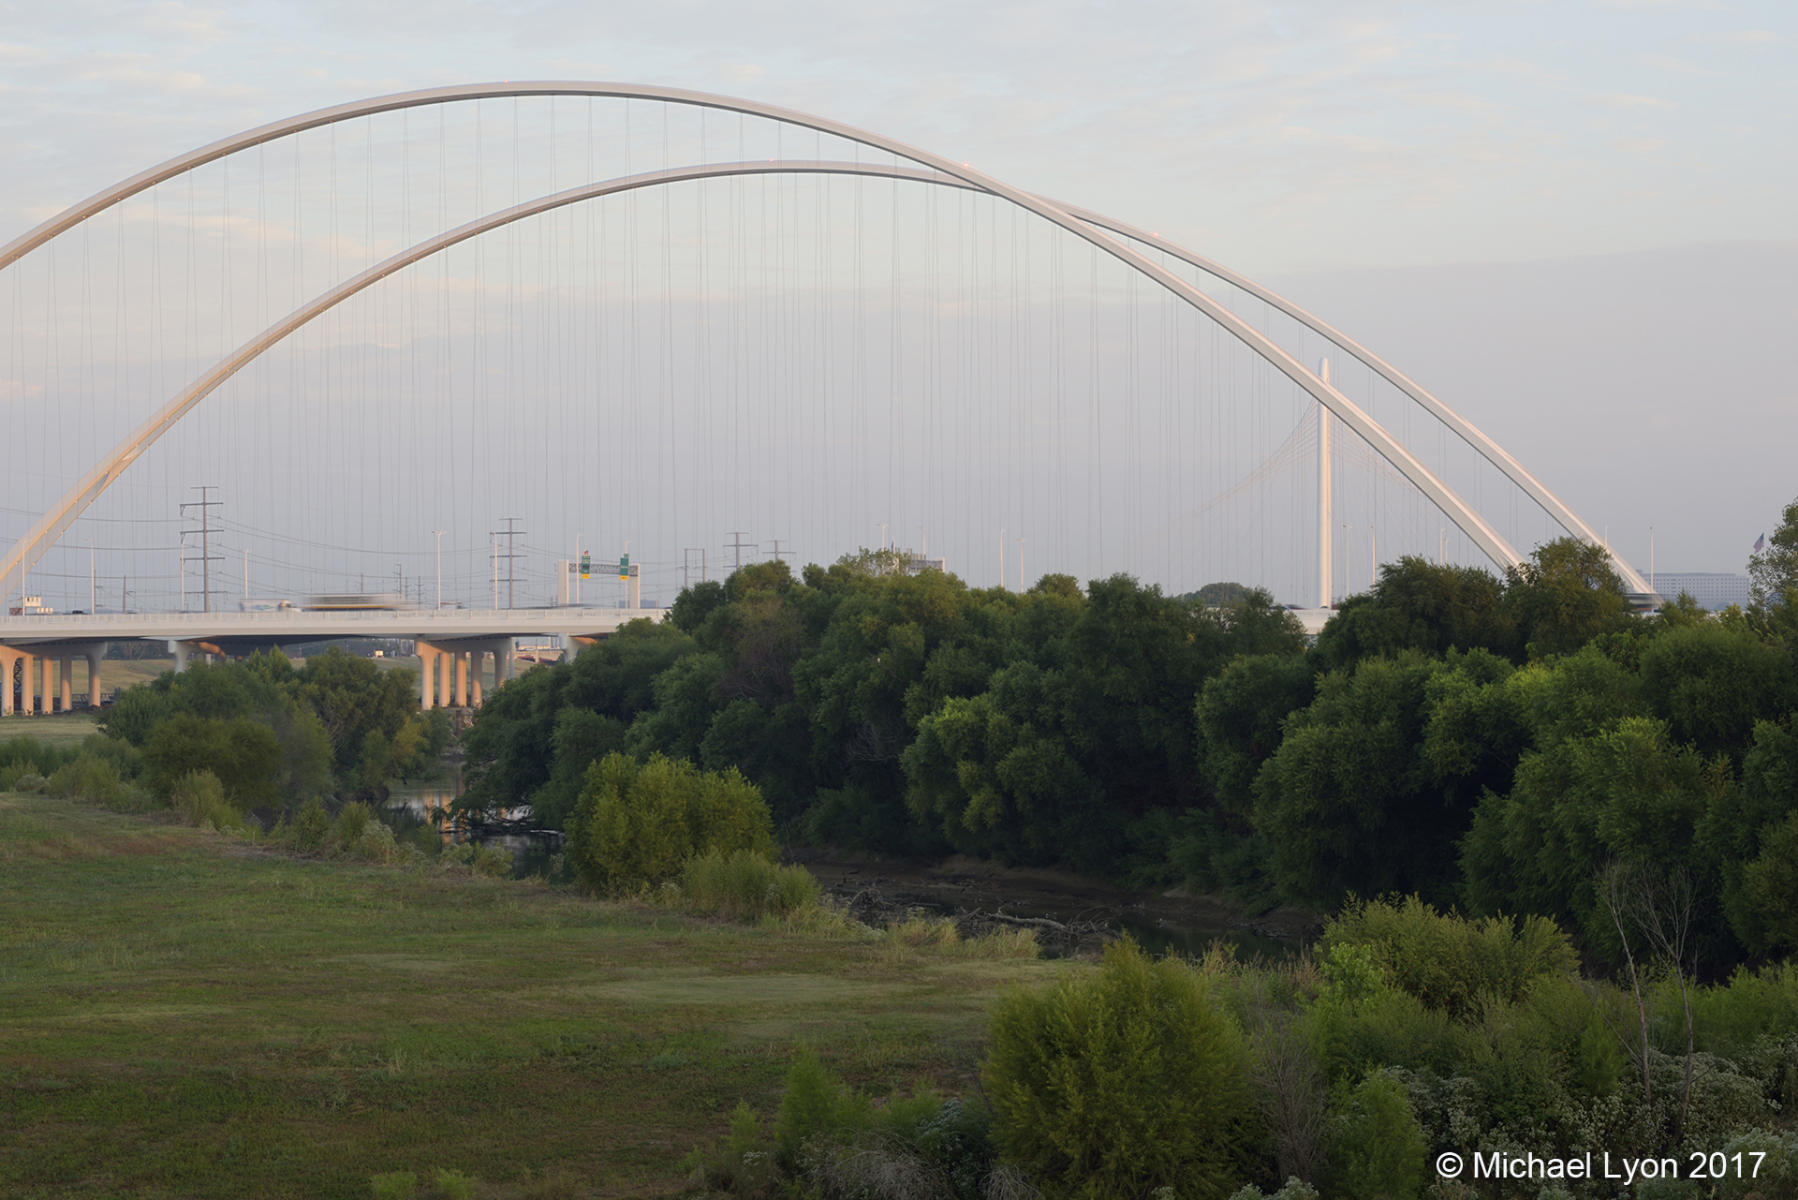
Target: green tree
column 1240, row 715
column 353, row 698
column 1623, row 794
column 990, row 772
column 242, row 753
column 1420, row 605
column 1121, row 1081
column 636, row 824
column 1345, row 801
column 1565, row 595
column 1749, row 833
column 1711, row 684
column 1773, row 571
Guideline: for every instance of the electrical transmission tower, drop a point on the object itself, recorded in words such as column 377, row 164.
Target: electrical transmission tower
column 736, row 543
column 205, row 504
column 510, row 532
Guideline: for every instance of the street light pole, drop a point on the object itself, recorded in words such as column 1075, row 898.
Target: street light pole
column 439, row 534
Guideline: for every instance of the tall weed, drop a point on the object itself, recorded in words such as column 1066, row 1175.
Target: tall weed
column 744, row 885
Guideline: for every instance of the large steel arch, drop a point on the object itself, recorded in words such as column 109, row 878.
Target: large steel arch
column 1463, row 428
column 1494, row 453
column 1465, row 518
column 51, row 526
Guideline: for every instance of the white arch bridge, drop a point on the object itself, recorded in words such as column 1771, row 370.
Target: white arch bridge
column 998, row 390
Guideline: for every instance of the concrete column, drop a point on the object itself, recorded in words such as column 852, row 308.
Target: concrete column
column 443, row 677
column 67, row 673
column 462, row 678
column 180, row 650
column 94, row 658
column 475, row 664
column 46, row 696
column 510, row 658
column 427, row 655
column 26, row 690
column 7, row 659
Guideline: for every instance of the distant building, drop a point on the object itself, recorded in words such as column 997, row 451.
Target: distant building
column 1714, row 590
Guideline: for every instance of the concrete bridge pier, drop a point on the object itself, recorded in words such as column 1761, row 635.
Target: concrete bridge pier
column 451, row 673
column 95, row 656
column 427, row 663
column 65, row 673
column 9, row 660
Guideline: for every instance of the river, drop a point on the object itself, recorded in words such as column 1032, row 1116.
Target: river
column 1161, row 921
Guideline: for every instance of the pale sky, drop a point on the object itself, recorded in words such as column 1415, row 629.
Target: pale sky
column 1572, row 221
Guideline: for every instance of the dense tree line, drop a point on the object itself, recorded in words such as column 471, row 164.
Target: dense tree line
column 1492, row 743
column 908, row 713
column 276, row 735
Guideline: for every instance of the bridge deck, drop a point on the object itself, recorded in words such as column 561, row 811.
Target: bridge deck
column 300, row 625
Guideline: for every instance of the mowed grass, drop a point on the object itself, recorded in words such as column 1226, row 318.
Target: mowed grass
column 186, row 1015
column 62, row 730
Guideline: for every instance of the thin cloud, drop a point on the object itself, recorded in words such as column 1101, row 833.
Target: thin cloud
column 1743, row 37
column 1629, row 100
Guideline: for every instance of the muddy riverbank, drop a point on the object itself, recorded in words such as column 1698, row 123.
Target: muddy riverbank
column 1161, row 921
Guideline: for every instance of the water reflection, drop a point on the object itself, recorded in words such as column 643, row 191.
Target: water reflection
column 423, row 816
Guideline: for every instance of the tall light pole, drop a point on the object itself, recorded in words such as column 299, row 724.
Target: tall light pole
column 439, row 534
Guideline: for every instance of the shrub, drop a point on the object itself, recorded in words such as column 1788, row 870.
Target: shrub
column 29, row 781
column 200, row 799
column 1451, row 963
column 28, row 754
column 495, row 862
column 1778, row 1171
column 352, row 819
column 635, row 825
column 1122, row 1080
column 394, row 1185
column 1358, row 1020
column 452, row 1185
column 1294, row 1189
column 744, row 886
column 920, row 1146
column 375, row 844
column 92, row 780
column 309, row 828
column 1376, row 1148
column 1731, row 1017
column 815, row 1108
column 117, row 751
column 743, row 1164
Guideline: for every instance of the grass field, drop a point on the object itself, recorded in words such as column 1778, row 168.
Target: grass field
column 62, row 730
column 189, row 1015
